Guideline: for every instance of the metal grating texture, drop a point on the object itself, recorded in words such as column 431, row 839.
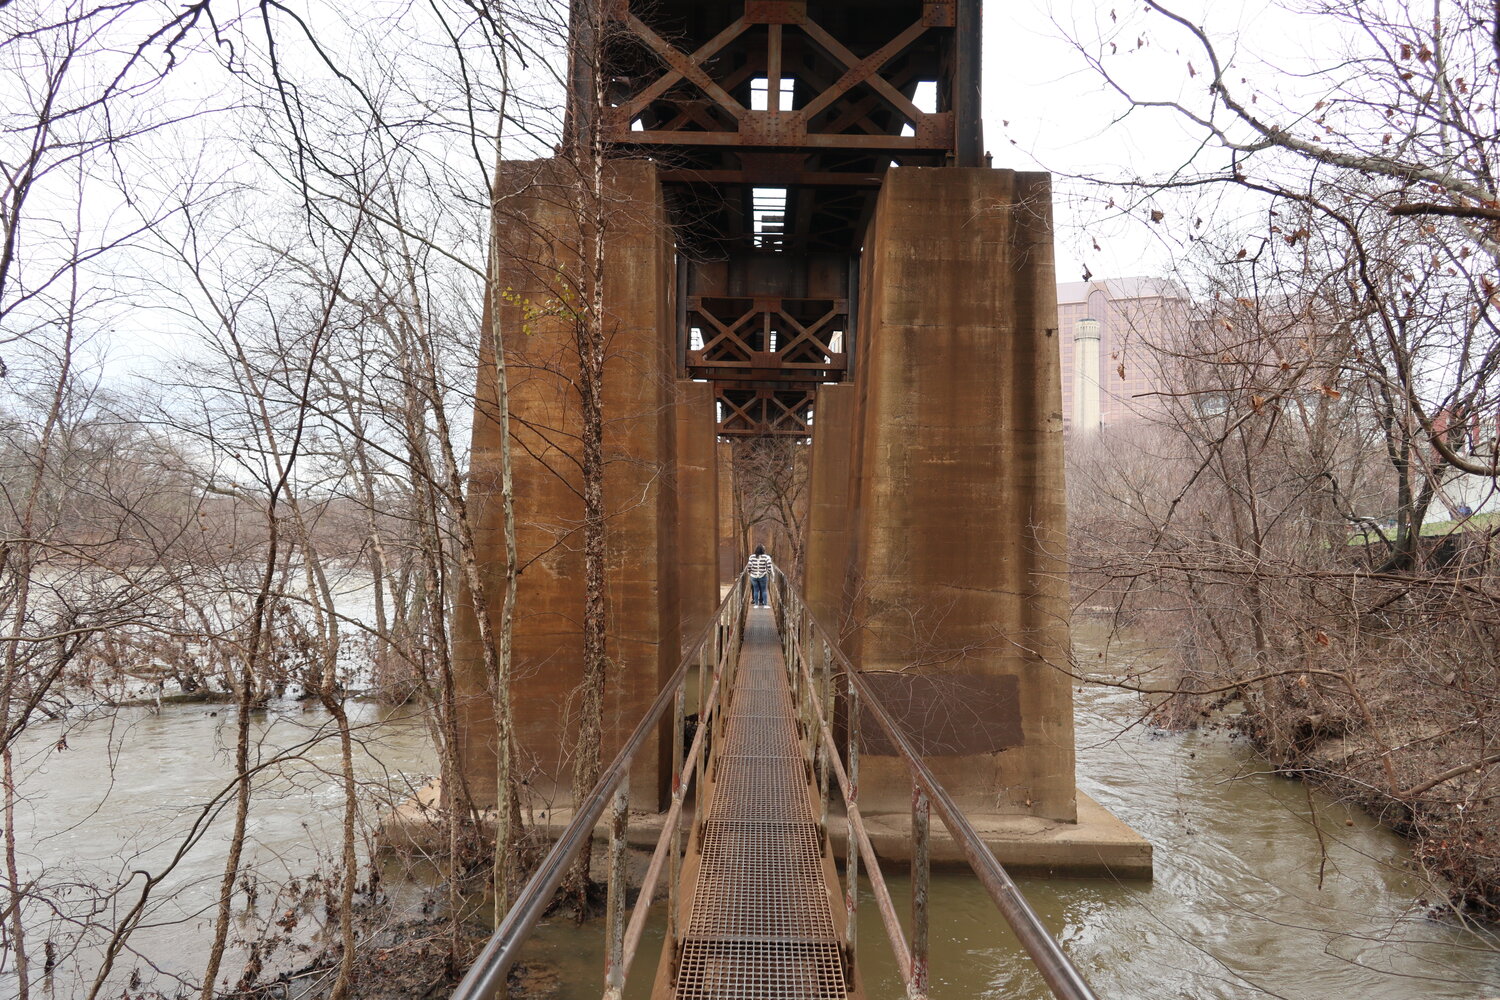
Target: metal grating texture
column 774, row 691
column 761, row 789
column 766, row 884
column 761, row 923
column 761, row 705
column 760, row 970
column 763, row 738
column 761, row 680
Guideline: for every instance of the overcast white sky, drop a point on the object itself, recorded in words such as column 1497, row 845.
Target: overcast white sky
column 1045, row 108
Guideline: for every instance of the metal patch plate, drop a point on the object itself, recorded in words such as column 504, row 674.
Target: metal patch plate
column 948, row 715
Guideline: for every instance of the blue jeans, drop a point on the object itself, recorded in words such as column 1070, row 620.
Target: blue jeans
column 758, row 590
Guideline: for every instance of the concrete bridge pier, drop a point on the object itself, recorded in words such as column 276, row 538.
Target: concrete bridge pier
column 539, row 240
column 828, row 511
column 955, row 527
column 697, row 484
column 732, row 552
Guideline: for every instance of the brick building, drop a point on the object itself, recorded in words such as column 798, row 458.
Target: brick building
column 1134, row 316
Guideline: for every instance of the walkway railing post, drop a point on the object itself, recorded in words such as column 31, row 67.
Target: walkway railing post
column 614, row 907
column 827, row 700
column 851, row 861
column 703, row 681
column 789, row 659
column 726, row 662
column 803, row 693
column 921, row 883
column 804, row 659
column 786, row 619
column 679, row 731
column 804, row 634
column 732, row 643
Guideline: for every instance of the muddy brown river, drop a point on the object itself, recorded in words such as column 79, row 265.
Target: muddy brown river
column 1236, row 908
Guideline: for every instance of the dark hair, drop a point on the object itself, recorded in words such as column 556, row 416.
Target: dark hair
column 760, row 550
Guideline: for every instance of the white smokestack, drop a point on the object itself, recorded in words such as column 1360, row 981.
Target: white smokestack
column 1086, row 376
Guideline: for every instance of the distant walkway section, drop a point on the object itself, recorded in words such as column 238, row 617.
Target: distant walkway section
column 761, row 913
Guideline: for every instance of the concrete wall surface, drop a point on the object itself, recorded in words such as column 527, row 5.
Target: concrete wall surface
column 697, row 483
column 828, row 520
column 958, row 554
column 539, row 260
column 732, row 554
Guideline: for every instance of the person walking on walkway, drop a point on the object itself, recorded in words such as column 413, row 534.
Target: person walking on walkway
column 759, row 569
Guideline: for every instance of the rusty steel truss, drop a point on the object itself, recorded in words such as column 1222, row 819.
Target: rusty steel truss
column 844, row 77
column 794, row 340
column 773, row 122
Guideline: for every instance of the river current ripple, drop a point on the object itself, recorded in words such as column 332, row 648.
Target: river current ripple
column 1236, row 908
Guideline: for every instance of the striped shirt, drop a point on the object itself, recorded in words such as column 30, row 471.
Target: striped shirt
column 759, row 566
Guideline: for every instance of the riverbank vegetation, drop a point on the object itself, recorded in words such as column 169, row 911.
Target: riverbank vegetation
column 1330, row 385
column 244, row 293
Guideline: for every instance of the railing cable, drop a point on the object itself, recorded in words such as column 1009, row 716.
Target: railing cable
column 1057, row 970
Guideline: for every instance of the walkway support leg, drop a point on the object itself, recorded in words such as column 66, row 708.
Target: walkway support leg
column 851, row 855
column 619, row 887
column 921, row 884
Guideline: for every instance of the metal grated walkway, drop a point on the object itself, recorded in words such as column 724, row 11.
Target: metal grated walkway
column 760, row 922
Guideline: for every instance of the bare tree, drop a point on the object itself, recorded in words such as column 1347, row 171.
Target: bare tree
column 1339, row 211
column 771, row 476
column 1382, row 155
column 338, row 288
column 1271, row 518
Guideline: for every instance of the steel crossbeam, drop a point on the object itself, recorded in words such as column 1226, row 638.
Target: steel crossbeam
column 813, row 100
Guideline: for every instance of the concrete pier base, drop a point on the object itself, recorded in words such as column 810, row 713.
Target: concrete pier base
column 416, row 825
column 1098, row 845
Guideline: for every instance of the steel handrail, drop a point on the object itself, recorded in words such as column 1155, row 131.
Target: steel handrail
column 487, row 973
column 1057, row 970
column 860, row 837
column 680, row 781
